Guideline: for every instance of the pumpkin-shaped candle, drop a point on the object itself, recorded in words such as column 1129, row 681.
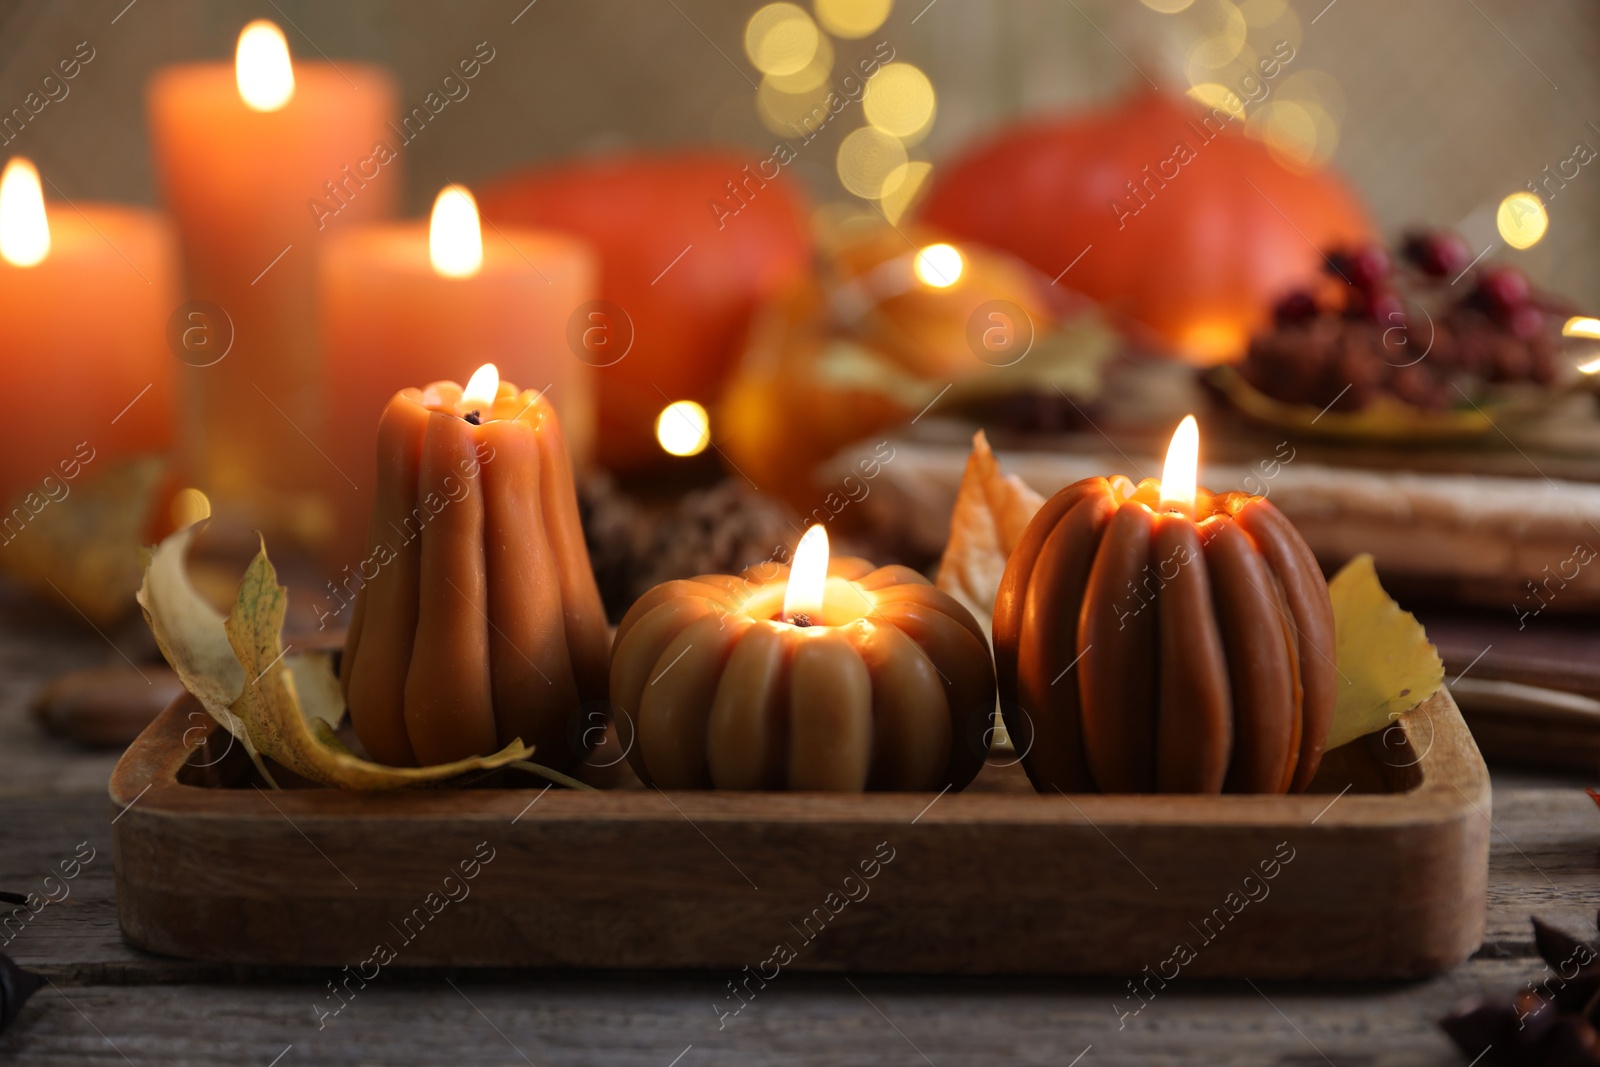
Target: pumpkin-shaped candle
column 478, row 621
column 827, row 675
column 1160, row 638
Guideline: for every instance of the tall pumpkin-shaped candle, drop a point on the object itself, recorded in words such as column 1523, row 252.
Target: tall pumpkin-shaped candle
column 831, row 675
column 1161, row 638
column 479, row 621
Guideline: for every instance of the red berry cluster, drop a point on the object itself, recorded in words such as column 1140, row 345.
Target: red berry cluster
column 1404, row 330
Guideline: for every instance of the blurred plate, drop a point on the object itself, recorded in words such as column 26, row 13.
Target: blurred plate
column 1385, row 419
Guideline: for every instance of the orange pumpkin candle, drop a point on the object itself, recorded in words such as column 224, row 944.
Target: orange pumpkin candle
column 477, row 621
column 1160, row 638
column 85, row 291
column 253, row 157
column 831, row 675
column 401, row 297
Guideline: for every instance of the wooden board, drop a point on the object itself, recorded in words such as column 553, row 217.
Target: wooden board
column 1380, row 872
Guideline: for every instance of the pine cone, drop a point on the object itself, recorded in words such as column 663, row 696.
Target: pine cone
column 615, row 537
column 720, row 530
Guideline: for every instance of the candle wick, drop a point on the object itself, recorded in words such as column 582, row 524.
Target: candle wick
column 473, row 417
column 800, row 618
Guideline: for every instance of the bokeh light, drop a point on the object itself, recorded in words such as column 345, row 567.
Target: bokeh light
column 1221, row 34
column 812, row 76
column 1285, row 28
column 683, row 428
column 870, row 163
column 904, row 184
column 781, row 39
column 1167, row 7
column 1315, row 86
column 1522, row 220
column 1299, row 134
column 899, row 101
column 1217, row 95
column 1258, row 13
column 189, row 506
column 852, row 18
column 939, row 266
column 792, row 114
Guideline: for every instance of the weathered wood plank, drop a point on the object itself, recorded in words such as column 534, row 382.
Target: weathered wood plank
column 650, row 1021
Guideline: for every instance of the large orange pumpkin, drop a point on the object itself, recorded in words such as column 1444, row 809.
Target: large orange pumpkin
column 1183, row 223
column 685, row 256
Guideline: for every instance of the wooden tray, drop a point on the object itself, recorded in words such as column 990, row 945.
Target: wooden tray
column 1379, row 873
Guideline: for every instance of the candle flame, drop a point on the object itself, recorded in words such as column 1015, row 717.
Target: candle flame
column 455, row 240
column 24, row 227
column 1581, row 326
column 802, row 599
column 481, row 390
column 261, row 67
column 1182, row 468
column 938, row 266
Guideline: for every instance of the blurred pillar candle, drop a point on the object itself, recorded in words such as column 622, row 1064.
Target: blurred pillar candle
column 402, row 301
column 257, row 160
column 476, row 617
column 85, row 291
column 830, row 675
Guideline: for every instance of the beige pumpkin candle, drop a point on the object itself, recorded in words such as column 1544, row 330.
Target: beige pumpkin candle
column 1161, row 638
column 830, row 675
column 477, row 621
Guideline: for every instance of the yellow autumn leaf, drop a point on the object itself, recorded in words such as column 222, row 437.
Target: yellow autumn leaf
column 1386, row 665
column 992, row 510
column 239, row 670
column 191, row 635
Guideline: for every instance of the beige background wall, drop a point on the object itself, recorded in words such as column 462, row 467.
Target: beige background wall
column 1448, row 104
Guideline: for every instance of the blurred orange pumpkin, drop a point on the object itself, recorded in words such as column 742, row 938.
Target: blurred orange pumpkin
column 1182, row 222
column 800, row 394
column 690, row 243
column 928, row 305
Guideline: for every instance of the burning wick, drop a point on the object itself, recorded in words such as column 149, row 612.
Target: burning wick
column 1182, row 467
column 802, row 599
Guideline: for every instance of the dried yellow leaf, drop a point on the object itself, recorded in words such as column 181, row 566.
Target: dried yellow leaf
column 991, row 511
column 1386, row 665
column 239, row 670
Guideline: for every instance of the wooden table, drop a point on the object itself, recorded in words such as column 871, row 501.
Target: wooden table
column 109, row 1003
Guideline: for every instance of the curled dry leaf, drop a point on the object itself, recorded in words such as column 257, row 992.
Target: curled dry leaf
column 1386, row 665
column 992, row 509
column 280, row 706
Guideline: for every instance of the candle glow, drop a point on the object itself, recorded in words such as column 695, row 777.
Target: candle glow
column 455, row 239
column 683, row 428
column 1179, row 474
column 939, row 266
column 261, row 67
column 24, row 227
column 1581, row 326
column 802, row 598
column 481, row 389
